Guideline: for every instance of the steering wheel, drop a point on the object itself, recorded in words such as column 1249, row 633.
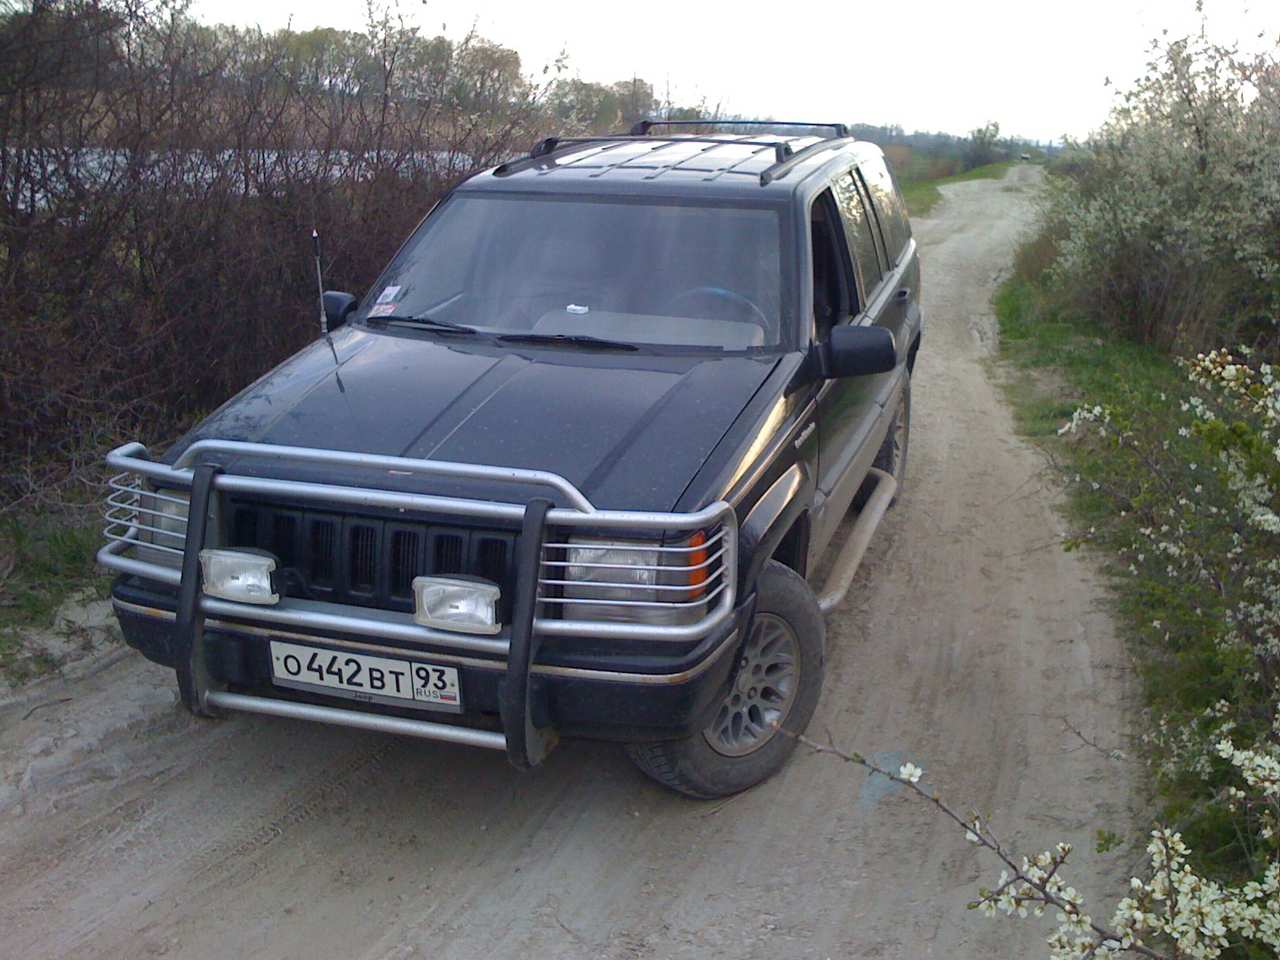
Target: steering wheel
column 755, row 314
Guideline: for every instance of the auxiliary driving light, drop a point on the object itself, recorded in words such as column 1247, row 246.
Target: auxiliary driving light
column 235, row 575
column 448, row 603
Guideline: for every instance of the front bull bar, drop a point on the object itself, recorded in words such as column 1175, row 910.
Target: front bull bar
column 526, row 736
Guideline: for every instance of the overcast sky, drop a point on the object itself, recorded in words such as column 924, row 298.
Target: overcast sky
column 1036, row 67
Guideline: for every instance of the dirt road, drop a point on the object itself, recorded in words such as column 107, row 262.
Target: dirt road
column 128, row 830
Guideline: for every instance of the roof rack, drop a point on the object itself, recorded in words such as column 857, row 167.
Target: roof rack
column 782, row 151
column 785, row 157
column 838, row 130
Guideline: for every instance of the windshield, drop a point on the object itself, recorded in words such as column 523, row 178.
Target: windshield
column 664, row 274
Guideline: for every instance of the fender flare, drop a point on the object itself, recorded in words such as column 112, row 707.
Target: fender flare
column 770, row 519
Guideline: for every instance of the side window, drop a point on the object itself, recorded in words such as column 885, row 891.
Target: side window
column 832, row 288
column 876, row 219
column 888, row 202
column 859, row 230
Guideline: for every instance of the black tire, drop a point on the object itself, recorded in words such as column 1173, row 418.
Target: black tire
column 693, row 766
column 892, row 455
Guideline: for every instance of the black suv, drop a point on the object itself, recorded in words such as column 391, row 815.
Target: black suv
column 565, row 468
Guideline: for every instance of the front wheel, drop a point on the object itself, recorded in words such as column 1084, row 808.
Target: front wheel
column 773, row 692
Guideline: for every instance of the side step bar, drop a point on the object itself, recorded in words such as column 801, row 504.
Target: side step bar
column 850, row 557
column 423, row 729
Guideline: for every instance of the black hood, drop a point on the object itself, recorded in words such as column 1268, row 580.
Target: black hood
column 630, row 430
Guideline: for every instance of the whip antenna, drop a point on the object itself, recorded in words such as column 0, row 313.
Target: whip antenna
column 315, row 244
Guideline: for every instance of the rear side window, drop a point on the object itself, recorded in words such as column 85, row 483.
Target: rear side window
column 859, row 231
column 888, row 201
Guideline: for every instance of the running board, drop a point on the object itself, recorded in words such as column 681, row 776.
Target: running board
column 850, row 557
column 423, row 729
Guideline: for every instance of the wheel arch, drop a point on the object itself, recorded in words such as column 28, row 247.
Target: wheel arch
column 777, row 526
column 912, row 351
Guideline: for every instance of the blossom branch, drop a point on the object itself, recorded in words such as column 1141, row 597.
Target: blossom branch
column 1033, row 882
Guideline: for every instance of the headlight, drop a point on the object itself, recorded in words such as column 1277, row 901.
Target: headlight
column 635, row 582
column 162, row 521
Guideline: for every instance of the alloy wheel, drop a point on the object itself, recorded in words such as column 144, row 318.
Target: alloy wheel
column 763, row 690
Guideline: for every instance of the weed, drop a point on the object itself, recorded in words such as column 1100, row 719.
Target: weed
column 53, row 558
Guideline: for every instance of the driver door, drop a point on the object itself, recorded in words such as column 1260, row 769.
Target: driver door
column 848, row 414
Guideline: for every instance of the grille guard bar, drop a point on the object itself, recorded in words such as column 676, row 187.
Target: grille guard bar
column 134, row 458
column 525, row 735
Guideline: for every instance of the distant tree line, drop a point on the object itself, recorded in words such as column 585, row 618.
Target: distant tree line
column 930, row 156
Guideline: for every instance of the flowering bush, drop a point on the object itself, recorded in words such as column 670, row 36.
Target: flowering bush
column 1171, row 212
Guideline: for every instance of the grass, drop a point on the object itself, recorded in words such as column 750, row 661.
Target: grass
column 52, row 559
column 921, row 195
column 1083, row 361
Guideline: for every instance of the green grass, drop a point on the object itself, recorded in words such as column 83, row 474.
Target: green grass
column 53, row 559
column 1088, row 360
column 921, row 195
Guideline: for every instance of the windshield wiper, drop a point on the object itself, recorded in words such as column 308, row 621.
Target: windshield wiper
column 572, row 339
column 429, row 323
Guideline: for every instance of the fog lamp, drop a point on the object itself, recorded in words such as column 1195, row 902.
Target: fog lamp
column 236, row 575
column 449, row 603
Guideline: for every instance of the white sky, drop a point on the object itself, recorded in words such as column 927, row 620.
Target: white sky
column 1035, row 66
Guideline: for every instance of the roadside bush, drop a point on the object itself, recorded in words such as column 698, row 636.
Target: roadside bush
column 1172, row 210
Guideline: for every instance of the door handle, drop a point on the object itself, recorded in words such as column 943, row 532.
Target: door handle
column 903, row 295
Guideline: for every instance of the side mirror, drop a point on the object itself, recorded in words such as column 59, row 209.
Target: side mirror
column 338, row 306
column 855, row 351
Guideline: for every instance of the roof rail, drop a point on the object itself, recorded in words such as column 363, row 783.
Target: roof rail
column 642, row 128
column 782, row 151
column 781, row 168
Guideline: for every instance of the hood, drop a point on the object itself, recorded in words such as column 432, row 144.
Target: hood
column 630, row 430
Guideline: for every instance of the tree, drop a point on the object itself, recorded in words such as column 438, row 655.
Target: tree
column 984, row 145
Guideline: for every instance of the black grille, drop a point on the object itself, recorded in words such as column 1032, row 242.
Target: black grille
column 367, row 561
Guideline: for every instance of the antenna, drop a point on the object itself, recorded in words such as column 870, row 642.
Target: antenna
column 324, row 319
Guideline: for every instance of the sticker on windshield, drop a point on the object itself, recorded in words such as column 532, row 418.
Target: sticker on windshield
column 387, row 295
column 382, row 310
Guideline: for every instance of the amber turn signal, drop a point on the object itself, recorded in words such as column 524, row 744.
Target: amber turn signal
column 698, row 560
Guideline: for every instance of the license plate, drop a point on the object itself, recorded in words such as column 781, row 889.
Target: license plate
column 401, row 683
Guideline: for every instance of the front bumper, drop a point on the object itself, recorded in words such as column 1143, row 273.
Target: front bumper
column 629, row 697
column 542, row 677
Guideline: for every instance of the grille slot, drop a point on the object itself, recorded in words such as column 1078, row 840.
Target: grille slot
column 405, row 562
column 491, row 559
column 448, row 553
column 284, row 535
column 362, row 558
column 323, row 541
column 368, row 561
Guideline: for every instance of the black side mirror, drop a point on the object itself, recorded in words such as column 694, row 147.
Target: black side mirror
column 855, row 351
column 338, row 306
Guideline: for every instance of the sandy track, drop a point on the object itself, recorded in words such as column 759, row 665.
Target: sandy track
column 129, row 830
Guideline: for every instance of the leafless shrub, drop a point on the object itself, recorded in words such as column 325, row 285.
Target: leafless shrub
column 159, row 180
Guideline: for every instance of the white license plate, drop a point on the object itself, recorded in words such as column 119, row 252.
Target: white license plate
column 402, row 683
